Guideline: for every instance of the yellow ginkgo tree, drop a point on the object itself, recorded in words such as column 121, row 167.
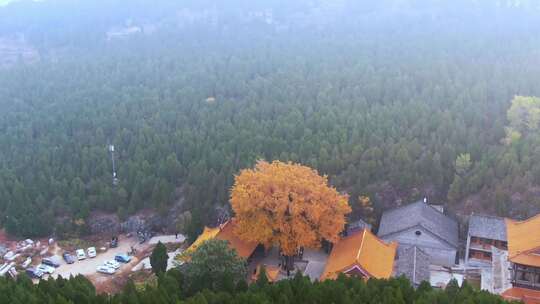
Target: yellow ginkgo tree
column 288, row 205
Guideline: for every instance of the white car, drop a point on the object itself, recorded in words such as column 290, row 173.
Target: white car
column 80, row 254
column 105, row 269
column 112, row 264
column 27, row 263
column 91, row 252
column 45, row 268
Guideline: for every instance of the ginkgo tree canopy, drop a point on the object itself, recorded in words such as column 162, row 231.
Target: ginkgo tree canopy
column 287, row 204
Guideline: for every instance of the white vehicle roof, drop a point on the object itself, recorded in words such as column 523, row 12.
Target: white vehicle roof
column 105, row 268
column 112, row 263
column 46, row 268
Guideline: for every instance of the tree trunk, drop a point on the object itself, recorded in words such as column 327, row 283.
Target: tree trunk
column 289, row 263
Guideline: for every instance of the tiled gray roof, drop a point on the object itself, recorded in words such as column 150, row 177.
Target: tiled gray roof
column 488, row 227
column 414, row 264
column 422, row 214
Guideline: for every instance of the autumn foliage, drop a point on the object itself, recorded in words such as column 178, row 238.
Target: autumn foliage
column 287, row 204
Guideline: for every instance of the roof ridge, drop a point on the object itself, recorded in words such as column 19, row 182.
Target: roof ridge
column 408, row 205
column 533, row 218
column 222, row 226
column 441, row 213
column 528, row 251
column 399, row 208
column 487, row 215
column 420, row 203
column 431, row 206
column 361, row 245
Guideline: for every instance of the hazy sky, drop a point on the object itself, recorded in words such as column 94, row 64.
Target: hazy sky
column 5, row 2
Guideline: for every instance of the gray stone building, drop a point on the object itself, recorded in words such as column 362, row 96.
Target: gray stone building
column 419, row 224
column 485, row 232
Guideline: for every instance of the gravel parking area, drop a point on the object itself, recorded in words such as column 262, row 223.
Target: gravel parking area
column 88, row 266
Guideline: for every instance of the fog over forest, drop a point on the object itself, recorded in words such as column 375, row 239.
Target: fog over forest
column 396, row 100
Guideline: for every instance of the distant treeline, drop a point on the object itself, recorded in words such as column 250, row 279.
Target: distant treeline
column 375, row 107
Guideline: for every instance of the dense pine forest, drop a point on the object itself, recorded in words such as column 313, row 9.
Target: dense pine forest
column 298, row 290
column 392, row 104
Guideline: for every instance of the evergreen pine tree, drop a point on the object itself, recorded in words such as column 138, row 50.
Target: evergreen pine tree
column 159, row 258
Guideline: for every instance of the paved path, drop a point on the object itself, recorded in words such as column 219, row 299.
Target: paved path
column 167, row 239
column 145, row 263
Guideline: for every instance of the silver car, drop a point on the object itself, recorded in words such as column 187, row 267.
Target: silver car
column 113, row 264
column 105, row 269
column 45, row 268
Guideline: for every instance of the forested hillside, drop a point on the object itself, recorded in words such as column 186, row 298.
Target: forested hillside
column 393, row 104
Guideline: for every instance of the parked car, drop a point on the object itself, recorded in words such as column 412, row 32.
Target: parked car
column 80, row 254
column 68, row 258
column 34, row 273
column 105, row 269
column 27, row 262
column 113, row 264
column 122, row 258
column 50, row 262
column 45, row 268
column 91, row 252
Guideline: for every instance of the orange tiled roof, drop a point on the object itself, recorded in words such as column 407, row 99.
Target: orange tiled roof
column 528, row 296
column 208, row 234
column 363, row 250
column 522, row 241
column 223, row 232
column 243, row 248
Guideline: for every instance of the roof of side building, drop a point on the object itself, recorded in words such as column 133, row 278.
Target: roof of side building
column 362, row 249
column 413, row 263
column 528, row 296
column 487, row 227
column 419, row 213
column 524, row 241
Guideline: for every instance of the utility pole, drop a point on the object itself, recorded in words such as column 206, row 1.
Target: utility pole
column 115, row 179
